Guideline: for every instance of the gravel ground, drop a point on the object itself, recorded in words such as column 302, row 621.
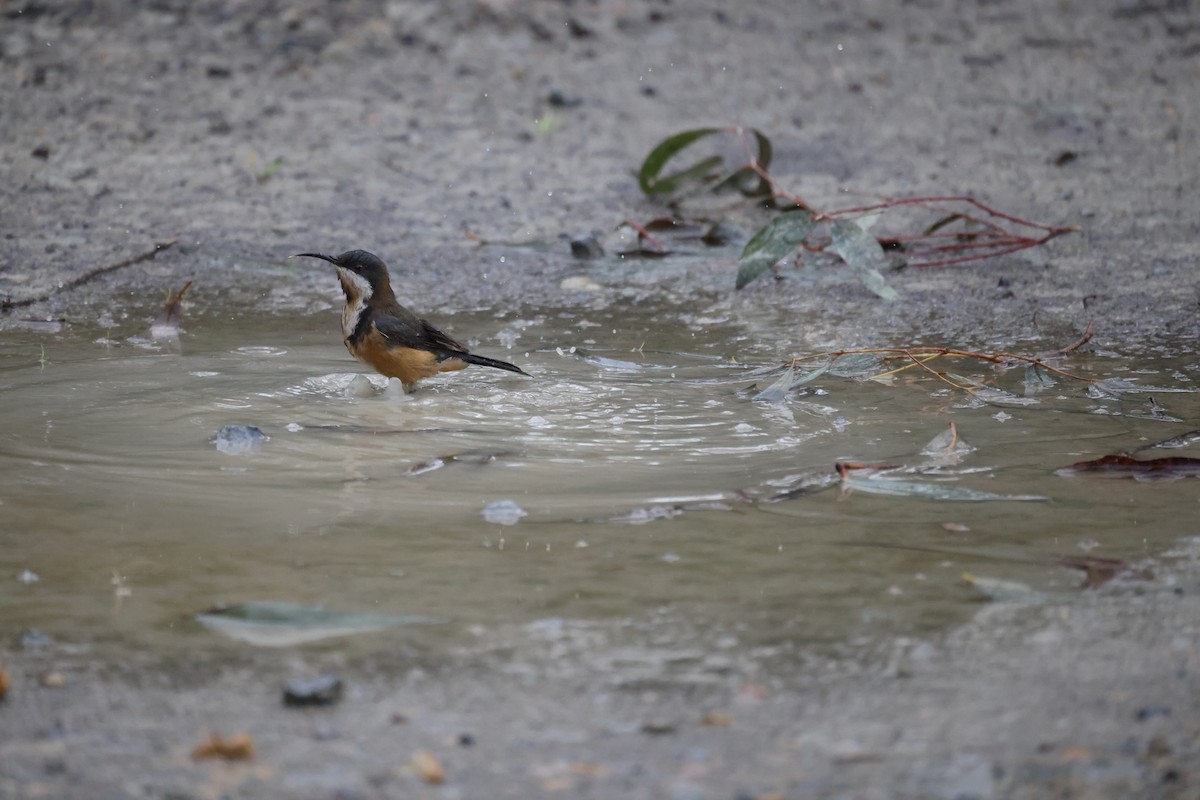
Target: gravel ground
column 242, row 133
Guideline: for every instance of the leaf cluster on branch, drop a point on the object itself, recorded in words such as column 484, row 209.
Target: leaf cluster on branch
column 961, row 228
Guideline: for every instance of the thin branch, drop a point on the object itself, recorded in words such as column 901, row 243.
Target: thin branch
column 8, row 304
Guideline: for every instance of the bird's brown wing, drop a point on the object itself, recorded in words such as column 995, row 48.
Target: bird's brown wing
column 410, row 331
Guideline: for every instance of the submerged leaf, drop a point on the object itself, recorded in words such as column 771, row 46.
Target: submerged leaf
column 272, row 623
column 1123, row 466
column 856, row 365
column 773, row 242
column 930, row 491
column 862, row 252
column 990, row 394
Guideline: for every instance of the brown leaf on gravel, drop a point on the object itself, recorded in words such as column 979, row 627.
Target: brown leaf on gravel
column 1099, row 571
column 428, row 767
column 561, row 776
column 4, row 683
column 1073, row 753
column 716, row 719
column 240, row 747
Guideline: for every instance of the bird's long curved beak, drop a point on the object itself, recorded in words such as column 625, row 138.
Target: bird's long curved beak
column 321, row 256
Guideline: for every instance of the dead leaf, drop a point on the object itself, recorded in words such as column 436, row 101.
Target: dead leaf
column 560, row 776
column 53, row 680
column 171, row 317
column 4, row 683
column 1099, row 571
column 1074, row 753
column 428, row 767
column 1123, row 466
column 238, row 748
column 716, row 719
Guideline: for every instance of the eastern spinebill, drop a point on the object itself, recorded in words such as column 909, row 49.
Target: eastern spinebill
column 386, row 335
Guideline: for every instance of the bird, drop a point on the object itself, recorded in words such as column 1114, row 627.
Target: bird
column 386, row 335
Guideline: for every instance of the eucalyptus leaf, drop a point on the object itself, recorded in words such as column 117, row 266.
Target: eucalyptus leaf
column 809, row 376
column 856, row 365
column 1003, row 591
column 653, row 181
column 779, row 389
column 930, row 491
column 272, row 623
column 862, row 252
column 773, row 242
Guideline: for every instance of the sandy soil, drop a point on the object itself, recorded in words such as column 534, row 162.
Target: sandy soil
column 404, row 127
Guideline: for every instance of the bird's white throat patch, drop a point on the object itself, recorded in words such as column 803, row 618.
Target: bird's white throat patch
column 358, row 291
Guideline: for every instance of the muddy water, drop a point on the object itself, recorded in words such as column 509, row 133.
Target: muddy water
column 643, row 483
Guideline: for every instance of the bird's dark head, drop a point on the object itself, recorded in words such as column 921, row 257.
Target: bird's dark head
column 363, row 275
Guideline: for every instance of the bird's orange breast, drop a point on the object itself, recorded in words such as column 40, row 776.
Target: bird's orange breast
column 409, row 364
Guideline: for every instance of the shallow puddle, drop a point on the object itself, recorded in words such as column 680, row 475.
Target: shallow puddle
column 622, row 482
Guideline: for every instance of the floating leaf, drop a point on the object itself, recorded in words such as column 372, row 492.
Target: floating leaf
column 1002, row 591
column 1123, row 466
column 930, row 491
column 773, row 242
column 271, row 623
column 1112, row 386
column 705, row 171
column 1182, row 440
column 862, row 252
column 810, row 376
column 1037, row 378
column 779, row 389
column 947, row 446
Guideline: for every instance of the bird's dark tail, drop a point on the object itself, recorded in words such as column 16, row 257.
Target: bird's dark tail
column 484, row 361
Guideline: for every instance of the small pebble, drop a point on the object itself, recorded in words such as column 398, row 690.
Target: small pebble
column 32, row 638
column 238, row 440
column 321, row 691
column 586, row 247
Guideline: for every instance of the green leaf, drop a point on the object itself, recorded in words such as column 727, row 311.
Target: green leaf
column 774, row 241
column 862, row 253
column 653, row 182
column 648, row 175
